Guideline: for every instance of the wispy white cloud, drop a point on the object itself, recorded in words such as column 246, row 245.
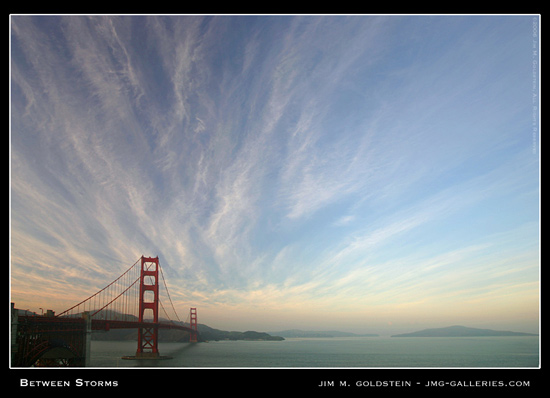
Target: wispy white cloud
column 265, row 161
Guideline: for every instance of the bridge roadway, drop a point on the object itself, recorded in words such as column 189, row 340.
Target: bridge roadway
column 99, row 324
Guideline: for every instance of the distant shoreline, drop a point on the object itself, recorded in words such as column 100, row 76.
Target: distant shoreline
column 461, row 331
column 296, row 333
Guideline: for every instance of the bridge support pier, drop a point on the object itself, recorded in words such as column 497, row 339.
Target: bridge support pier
column 14, row 324
column 87, row 338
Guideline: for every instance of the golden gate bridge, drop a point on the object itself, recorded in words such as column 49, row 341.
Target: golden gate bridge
column 132, row 301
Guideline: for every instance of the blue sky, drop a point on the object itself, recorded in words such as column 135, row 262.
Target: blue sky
column 361, row 173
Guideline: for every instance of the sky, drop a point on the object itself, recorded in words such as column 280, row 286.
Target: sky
column 318, row 172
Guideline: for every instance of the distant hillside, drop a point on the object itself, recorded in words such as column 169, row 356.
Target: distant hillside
column 295, row 333
column 460, row 331
column 206, row 333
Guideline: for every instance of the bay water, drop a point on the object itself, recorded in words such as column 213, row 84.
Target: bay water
column 349, row 352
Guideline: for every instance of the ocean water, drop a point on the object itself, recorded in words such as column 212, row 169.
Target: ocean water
column 356, row 352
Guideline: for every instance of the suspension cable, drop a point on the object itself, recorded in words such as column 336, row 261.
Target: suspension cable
column 106, row 287
column 168, row 293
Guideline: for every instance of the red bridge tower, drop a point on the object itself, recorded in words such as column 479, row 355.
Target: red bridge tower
column 148, row 301
column 193, row 325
